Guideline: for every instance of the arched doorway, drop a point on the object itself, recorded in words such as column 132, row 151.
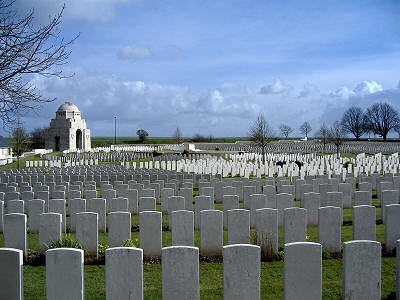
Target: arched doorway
column 79, row 139
column 57, row 143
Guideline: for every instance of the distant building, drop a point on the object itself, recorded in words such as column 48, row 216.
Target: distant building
column 68, row 130
column 5, row 149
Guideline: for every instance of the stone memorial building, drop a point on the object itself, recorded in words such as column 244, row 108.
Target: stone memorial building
column 68, row 130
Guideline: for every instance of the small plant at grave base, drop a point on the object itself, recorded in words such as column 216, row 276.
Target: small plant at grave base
column 326, row 254
column 131, row 243
column 185, row 152
column 279, row 255
column 65, row 242
column 102, row 249
column 217, row 149
column 32, row 252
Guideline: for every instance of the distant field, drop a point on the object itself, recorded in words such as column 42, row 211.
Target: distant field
column 105, row 141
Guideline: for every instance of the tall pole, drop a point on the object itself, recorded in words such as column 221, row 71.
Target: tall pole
column 115, row 130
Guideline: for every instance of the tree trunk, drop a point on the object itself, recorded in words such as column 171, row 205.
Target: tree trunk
column 384, row 135
column 263, row 154
column 18, row 162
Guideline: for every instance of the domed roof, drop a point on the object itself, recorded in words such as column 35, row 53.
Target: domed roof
column 68, row 106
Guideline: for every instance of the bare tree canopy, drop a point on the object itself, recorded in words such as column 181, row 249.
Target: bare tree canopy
column 337, row 134
column 142, row 134
column 38, row 136
column 353, row 121
column 324, row 134
column 380, row 118
column 178, row 135
column 285, row 130
column 305, row 128
column 397, row 129
column 26, row 49
column 261, row 133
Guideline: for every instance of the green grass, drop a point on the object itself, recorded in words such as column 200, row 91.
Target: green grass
column 211, row 286
column 106, row 141
column 211, row 276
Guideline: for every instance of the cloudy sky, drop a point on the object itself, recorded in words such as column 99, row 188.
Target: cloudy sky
column 210, row 67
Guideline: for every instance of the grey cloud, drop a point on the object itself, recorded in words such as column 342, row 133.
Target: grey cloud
column 159, row 108
column 364, row 88
column 277, row 87
column 308, row 90
column 134, row 53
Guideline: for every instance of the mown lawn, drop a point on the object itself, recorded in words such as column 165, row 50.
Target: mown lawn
column 211, row 280
column 211, row 273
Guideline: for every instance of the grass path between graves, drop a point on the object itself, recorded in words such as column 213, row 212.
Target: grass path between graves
column 211, row 286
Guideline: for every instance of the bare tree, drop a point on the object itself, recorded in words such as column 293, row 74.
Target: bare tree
column 337, row 134
column 19, row 142
column 324, row 134
column 27, row 49
column 305, row 128
column 178, row 135
column 380, row 118
column 38, row 136
column 142, row 134
column 261, row 133
column 353, row 121
column 285, row 130
column 397, row 129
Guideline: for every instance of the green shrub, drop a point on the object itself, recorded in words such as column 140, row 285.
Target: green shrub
column 186, row 152
column 279, row 255
column 326, row 254
column 102, row 249
column 217, row 148
column 65, row 242
column 131, row 243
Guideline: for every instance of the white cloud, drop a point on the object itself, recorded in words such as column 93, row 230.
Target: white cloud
column 342, row 93
column 367, row 87
column 364, row 88
column 308, row 90
column 134, row 53
column 156, row 107
column 224, row 111
column 277, row 87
